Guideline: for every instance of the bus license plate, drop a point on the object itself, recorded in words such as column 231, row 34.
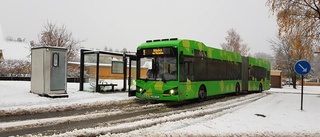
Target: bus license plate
column 155, row 97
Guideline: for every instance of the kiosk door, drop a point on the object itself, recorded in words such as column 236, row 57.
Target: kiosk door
column 58, row 73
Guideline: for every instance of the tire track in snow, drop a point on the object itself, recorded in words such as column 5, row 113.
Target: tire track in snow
column 172, row 116
column 30, row 125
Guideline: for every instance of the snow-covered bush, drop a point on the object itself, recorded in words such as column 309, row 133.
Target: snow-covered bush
column 15, row 68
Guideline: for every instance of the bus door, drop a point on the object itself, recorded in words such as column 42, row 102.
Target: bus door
column 245, row 73
column 186, row 78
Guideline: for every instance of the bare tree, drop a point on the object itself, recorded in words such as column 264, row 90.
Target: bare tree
column 1, row 56
column 59, row 37
column 234, row 43
column 265, row 56
column 3, row 68
column 315, row 66
column 105, row 48
column 284, row 57
column 124, row 50
column 9, row 38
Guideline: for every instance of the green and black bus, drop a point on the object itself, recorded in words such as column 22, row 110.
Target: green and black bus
column 180, row 70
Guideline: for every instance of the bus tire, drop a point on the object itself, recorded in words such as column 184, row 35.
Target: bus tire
column 237, row 90
column 202, row 94
column 260, row 88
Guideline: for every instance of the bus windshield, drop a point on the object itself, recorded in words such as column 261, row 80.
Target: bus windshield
column 159, row 68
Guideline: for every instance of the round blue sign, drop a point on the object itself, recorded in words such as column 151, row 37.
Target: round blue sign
column 302, row 67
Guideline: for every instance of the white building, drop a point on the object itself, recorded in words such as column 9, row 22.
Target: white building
column 13, row 50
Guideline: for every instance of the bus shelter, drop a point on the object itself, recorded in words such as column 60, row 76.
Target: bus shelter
column 98, row 68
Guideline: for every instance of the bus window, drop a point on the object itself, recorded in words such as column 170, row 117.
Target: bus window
column 167, row 68
column 186, row 69
column 170, row 71
column 159, row 68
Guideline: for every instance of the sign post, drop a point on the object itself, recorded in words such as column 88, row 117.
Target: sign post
column 302, row 67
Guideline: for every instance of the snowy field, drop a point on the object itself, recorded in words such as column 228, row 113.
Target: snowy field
column 16, row 97
column 277, row 114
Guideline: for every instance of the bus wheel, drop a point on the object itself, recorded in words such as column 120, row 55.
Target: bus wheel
column 238, row 89
column 260, row 88
column 202, row 94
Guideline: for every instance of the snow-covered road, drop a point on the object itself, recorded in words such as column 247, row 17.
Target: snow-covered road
column 276, row 114
column 279, row 116
column 155, row 119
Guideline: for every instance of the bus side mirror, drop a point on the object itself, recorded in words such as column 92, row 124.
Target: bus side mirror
column 181, row 57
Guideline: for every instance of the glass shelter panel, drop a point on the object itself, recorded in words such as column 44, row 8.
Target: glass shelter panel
column 90, row 67
column 133, row 75
column 102, row 71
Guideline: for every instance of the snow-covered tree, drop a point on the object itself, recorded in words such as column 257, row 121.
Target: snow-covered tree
column 265, row 56
column 53, row 35
column 234, row 43
column 15, row 68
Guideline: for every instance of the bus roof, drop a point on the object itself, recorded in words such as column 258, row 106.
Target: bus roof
column 188, row 46
column 259, row 62
column 159, row 43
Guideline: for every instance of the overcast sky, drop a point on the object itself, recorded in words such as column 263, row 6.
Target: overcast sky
column 128, row 23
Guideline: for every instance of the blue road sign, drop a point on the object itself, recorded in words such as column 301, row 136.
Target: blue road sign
column 302, row 67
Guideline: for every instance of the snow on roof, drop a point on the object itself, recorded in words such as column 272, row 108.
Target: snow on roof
column 14, row 50
column 1, row 35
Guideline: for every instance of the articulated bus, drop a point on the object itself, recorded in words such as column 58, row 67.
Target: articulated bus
column 177, row 70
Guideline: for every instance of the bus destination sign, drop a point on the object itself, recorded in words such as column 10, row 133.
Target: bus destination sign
column 156, row 51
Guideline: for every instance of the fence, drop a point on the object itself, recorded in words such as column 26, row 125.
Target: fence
column 74, row 80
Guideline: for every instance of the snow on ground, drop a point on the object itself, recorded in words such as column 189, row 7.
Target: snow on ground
column 276, row 114
column 15, row 96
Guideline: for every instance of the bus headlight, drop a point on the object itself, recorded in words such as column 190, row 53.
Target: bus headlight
column 171, row 92
column 139, row 89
